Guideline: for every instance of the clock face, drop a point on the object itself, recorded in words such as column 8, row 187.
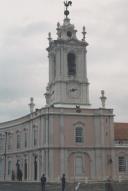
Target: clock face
column 73, row 90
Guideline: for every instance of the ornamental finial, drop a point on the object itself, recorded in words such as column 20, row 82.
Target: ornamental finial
column 67, row 4
column 58, row 31
column 49, row 37
column 103, row 98
column 84, row 34
column 31, row 105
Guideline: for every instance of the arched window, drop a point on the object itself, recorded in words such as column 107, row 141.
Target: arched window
column 71, row 64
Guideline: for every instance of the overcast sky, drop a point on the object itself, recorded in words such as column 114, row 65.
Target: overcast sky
column 24, row 25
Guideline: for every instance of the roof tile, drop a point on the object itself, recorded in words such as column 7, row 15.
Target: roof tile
column 121, row 131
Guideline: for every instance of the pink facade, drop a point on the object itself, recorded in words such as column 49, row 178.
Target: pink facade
column 93, row 151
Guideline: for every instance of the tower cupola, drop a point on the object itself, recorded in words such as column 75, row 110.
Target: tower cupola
column 66, row 31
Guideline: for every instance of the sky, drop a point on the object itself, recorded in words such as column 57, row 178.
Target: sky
column 24, row 28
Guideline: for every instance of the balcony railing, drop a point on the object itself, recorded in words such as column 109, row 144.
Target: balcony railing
column 121, row 143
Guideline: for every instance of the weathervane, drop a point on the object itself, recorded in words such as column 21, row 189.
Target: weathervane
column 67, row 4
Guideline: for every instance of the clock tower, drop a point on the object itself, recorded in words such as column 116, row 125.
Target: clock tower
column 68, row 82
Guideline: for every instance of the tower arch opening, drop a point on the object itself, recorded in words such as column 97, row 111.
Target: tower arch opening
column 71, row 58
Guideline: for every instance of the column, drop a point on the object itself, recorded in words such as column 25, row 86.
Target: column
column 62, row 154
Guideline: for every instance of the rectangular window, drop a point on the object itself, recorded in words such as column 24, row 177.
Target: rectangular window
column 2, row 141
column 9, row 141
column 35, row 136
column 9, row 167
column 122, row 164
column 25, row 139
column 1, row 145
column 1, row 167
column 79, row 166
column 18, row 141
column 79, row 135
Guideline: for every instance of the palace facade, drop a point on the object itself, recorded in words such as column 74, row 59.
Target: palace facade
column 67, row 135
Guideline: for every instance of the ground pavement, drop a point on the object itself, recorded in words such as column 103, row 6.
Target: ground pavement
column 22, row 186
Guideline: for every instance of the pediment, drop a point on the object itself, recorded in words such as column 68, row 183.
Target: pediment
column 79, row 123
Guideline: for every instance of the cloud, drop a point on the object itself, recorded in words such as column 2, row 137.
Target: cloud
column 25, row 30
column 24, row 62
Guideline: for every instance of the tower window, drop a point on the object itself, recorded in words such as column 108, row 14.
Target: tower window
column 71, row 64
column 54, row 66
column 69, row 34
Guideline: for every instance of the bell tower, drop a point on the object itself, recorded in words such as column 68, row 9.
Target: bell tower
column 68, row 83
